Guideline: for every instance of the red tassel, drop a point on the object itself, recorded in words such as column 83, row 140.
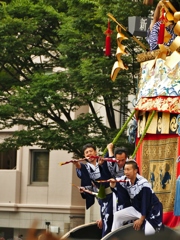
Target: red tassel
column 108, row 33
column 162, row 28
column 108, row 46
column 161, row 33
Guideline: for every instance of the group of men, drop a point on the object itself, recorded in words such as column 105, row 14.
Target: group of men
column 128, row 196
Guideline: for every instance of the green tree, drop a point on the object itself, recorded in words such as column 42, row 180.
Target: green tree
column 39, row 36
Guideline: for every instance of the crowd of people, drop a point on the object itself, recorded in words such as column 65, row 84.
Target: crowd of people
column 128, row 196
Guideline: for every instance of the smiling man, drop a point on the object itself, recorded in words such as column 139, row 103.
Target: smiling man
column 89, row 174
column 146, row 209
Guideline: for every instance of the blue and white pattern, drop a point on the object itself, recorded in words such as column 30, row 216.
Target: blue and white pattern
column 152, row 36
column 93, row 171
column 144, row 200
column 115, row 170
column 88, row 174
column 134, row 190
column 159, row 81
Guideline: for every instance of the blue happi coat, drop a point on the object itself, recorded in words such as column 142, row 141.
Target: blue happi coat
column 89, row 174
column 144, row 200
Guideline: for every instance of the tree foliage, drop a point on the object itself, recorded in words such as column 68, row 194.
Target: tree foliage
column 37, row 38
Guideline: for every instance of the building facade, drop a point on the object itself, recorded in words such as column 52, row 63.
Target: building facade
column 33, row 185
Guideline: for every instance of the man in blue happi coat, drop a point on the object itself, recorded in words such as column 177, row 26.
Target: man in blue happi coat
column 89, row 174
column 146, row 210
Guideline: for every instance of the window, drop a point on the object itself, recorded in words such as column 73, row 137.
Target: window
column 39, row 166
column 8, row 159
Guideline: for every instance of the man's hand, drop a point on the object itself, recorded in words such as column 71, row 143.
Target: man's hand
column 137, row 224
column 100, row 161
column 99, row 223
column 81, row 189
column 110, row 148
column 112, row 182
column 77, row 164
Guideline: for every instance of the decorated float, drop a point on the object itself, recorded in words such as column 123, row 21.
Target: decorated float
column 158, row 156
column 157, row 111
column 158, row 121
column 157, row 128
column 158, row 138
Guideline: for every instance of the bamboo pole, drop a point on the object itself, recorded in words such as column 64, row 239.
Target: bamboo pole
column 143, row 134
column 121, row 131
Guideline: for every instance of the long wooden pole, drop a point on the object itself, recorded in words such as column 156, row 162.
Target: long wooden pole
column 130, row 34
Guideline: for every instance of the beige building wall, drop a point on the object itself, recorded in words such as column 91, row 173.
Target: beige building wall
column 56, row 202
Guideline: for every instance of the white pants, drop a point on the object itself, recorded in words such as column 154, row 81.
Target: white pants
column 114, row 202
column 130, row 213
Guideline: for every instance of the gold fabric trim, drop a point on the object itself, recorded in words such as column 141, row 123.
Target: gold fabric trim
column 162, row 123
column 143, row 57
column 159, row 167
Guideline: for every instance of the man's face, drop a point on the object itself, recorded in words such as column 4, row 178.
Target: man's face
column 121, row 159
column 90, row 152
column 130, row 172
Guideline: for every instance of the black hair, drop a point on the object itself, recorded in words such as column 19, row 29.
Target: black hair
column 120, row 150
column 133, row 163
column 88, row 145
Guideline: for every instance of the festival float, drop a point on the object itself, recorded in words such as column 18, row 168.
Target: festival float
column 157, row 128
column 158, row 121
column 157, row 112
